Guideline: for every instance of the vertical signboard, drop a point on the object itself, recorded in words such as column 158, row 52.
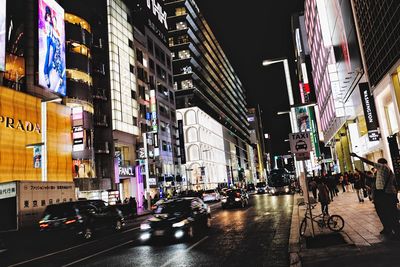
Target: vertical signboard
column 181, row 142
column 37, row 157
column 77, row 129
column 153, row 109
column 51, row 35
column 2, row 35
column 371, row 117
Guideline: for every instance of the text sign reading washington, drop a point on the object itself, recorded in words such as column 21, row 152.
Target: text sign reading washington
column 300, row 142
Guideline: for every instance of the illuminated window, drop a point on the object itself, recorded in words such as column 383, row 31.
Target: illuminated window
column 181, row 25
column 79, row 48
column 186, row 84
column 79, row 76
column 184, row 54
column 180, row 11
column 78, row 21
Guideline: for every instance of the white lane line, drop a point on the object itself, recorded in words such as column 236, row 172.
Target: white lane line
column 98, row 253
column 187, row 250
column 64, row 250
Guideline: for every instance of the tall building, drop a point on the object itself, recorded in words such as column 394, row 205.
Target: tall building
column 258, row 143
column 210, row 99
column 378, row 32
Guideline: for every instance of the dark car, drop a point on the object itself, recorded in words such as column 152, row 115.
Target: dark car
column 235, row 198
column 81, row 218
column 251, row 187
column 177, row 218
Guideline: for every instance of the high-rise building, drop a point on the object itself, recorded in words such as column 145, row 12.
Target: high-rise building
column 208, row 94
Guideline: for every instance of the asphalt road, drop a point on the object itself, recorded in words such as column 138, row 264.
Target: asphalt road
column 255, row 236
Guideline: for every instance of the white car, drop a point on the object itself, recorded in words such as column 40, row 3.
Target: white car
column 211, row 195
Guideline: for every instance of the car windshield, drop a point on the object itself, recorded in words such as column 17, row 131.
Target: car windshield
column 173, row 207
column 209, row 191
column 233, row 192
column 54, row 212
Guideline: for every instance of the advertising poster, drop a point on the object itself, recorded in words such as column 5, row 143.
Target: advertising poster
column 37, row 157
column 2, row 35
column 51, row 34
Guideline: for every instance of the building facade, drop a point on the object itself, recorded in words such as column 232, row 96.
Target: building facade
column 204, row 79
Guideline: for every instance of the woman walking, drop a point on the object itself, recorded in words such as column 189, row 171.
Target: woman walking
column 359, row 186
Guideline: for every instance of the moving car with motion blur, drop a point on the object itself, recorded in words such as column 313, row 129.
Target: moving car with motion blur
column 279, row 182
column 177, row 218
column 261, row 188
column 235, row 198
column 81, row 218
column 211, row 195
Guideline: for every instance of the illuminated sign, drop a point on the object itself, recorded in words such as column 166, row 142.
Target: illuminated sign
column 16, row 124
column 181, row 142
column 77, row 130
column 37, row 157
column 8, row 190
column 157, row 11
column 127, row 171
column 371, row 118
column 153, row 109
column 51, row 35
column 2, row 35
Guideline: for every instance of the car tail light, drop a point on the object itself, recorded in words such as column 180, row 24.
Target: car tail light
column 44, row 225
column 237, row 194
column 70, row 221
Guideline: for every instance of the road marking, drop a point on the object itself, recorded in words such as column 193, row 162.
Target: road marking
column 67, row 249
column 98, row 253
column 187, row 250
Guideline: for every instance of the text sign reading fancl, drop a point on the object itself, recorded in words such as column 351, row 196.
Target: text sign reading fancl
column 157, row 11
column 127, row 171
column 371, row 118
column 300, row 142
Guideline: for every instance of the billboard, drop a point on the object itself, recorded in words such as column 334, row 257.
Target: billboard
column 371, row 118
column 2, row 35
column 51, row 35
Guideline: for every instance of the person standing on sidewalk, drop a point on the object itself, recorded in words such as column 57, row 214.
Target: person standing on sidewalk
column 323, row 196
column 359, row 186
column 385, row 196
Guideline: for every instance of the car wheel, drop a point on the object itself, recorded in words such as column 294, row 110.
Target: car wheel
column 87, row 233
column 118, row 225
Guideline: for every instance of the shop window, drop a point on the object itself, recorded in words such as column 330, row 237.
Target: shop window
column 183, row 54
column 79, row 49
column 182, row 39
column 171, row 41
column 79, row 76
column 43, row 203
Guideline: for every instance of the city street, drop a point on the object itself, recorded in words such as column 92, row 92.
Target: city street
column 255, row 236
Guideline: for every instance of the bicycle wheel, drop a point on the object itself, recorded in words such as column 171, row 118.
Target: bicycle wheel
column 303, row 227
column 335, row 223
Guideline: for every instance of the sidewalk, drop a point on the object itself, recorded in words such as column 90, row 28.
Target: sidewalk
column 363, row 245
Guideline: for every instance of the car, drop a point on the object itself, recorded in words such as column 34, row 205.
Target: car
column 177, row 218
column 235, row 198
column 211, row 195
column 81, row 218
column 251, row 187
column 261, row 188
column 301, row 144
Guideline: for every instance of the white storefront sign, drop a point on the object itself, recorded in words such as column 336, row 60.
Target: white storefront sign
column 8, row 190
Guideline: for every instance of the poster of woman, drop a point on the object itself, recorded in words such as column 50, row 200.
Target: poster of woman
column 51, row 27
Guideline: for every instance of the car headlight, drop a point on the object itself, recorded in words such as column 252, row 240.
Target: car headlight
column 272, row 191
column 224, row 200
column 145, row 226
column 237, row 199
column 286, row 189
column 181, row 223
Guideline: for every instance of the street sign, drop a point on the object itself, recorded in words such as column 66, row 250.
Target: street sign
column 300, row 142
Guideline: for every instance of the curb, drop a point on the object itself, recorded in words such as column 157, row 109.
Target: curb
column 294, row 238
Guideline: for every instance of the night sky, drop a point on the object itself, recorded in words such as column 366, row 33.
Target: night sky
column 248, row 34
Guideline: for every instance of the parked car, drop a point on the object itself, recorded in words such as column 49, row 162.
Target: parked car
column 211, row 195
column 177, row 218
column 235, row 198
column 83, row 218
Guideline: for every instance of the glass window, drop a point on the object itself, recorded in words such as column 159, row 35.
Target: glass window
column 184, row 54
column 179, row 11
column 182, row 25
column 186, row 84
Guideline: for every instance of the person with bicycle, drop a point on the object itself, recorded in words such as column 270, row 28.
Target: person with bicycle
column 385, row 196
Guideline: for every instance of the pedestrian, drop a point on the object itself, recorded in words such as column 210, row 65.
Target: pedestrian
column 126, row 200
column 133, row 206
column 331, row 183
column 323, row 196
column 351, row 181
column 346, row 182
column 144, row 202
column 385, row 196
column 313, row 187
column 342, row 182
column 358, row 186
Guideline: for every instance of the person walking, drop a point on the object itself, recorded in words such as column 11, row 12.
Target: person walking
column 323, row 196
column 342, row 182
column 358, row 186
column 331, row 183
column 313, row 187
column 385, row 196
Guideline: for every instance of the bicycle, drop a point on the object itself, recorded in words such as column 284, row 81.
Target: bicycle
column 335, row 223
